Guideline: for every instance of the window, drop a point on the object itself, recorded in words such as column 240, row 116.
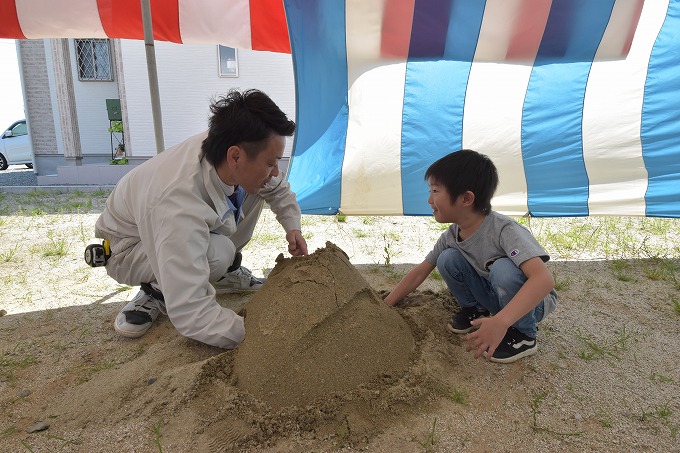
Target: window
column 228, row 61
column 94, row 59
column 19, row 130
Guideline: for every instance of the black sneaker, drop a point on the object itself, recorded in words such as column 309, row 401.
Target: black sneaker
column 460, row 323
column 514, row 346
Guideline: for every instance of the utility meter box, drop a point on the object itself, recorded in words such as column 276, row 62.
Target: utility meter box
column 113, row 107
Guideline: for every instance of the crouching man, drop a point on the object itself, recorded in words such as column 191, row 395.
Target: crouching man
column 176, row 224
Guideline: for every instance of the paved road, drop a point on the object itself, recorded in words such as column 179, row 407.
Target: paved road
column 18, row 175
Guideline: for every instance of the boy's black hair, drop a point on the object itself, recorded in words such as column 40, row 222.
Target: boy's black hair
column 466, row 170
column 246, row 119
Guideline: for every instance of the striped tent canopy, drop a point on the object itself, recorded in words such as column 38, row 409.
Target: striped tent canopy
column 574, row 100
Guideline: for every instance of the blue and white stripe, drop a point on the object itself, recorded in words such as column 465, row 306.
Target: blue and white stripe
column 577, row 125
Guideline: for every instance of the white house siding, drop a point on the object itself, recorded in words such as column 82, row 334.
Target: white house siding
column 188, row 78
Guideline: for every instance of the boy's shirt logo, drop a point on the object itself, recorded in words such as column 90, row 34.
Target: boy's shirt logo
column 514, row 253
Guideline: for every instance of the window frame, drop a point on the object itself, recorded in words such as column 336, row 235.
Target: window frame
column 222, row 72
column 80, row 58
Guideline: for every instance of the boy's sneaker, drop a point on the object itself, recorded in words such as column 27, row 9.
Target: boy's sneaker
column 137, row 315
column 460, row 323
column 514, row 346
column 238, row 281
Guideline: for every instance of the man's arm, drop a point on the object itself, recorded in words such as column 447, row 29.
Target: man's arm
column 492, row 330
column 410, row 282
column 175, row 235
column 283, row 203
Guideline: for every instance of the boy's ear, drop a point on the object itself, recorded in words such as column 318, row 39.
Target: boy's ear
column 468, row 198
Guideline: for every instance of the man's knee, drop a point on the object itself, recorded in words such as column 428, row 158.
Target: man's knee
column 221, row 253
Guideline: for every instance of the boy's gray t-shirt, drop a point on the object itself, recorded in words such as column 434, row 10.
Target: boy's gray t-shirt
column 498, row 236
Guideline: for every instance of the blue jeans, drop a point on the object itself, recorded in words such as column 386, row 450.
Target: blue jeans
column 472, row 290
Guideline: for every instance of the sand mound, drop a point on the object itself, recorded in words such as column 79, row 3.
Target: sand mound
column 316, row 329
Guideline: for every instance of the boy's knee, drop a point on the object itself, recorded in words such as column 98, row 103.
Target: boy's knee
column 450, row 260
column 504, row 272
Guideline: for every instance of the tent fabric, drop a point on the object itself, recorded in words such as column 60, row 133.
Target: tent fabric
column 574, row 100
column 245, row 24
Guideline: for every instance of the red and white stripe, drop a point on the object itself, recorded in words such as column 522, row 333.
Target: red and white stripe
column 246, row 24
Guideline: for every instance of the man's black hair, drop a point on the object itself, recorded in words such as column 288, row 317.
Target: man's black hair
column 466, row 170
column 247, row 119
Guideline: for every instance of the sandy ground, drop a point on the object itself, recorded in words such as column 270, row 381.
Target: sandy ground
column 606, row 377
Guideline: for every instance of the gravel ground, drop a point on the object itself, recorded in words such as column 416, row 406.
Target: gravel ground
column 605, row 379
column 18, row 175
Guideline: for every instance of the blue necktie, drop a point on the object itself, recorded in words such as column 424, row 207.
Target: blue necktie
column 234, row 200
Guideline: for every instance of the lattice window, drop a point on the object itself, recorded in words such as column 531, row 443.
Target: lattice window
column 94, row 59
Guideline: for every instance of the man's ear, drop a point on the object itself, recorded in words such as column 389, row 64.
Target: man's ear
column 468, row 198
column 234, row 154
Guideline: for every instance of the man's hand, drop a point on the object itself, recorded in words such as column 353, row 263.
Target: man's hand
column 297, row 246
column 487, row 338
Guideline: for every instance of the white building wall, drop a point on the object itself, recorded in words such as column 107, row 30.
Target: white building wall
column 93, row 118
column 188, row 78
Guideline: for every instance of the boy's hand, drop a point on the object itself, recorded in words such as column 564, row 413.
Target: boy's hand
column 487, row 338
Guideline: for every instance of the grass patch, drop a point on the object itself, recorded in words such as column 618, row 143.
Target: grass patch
column 10, row 255
column 610, row 348
column 11, row 360
column 56, row 247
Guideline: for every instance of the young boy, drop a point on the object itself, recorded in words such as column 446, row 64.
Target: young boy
column 491, row 264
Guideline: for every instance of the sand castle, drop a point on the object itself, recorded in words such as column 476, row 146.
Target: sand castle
column 317, row 328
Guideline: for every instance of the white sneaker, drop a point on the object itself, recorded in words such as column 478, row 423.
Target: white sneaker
column 240, row 280
column 137, row 315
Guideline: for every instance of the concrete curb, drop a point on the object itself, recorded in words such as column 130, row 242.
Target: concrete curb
column 55, row 189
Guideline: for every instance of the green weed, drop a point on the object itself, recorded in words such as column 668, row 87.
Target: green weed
column 360, row 233
column 10, row 255
column 458, row 396
column 342, row 433
column 621, row 269
column 157, row 435
column 26, row 445
column 656, row 377
column 430, row 440
column 436, row 276
column 9, row 362
column 389, row 250
column 560, row 283
column 609, row 348
column 676, row 305
column 65, row 443
column 8, row 431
